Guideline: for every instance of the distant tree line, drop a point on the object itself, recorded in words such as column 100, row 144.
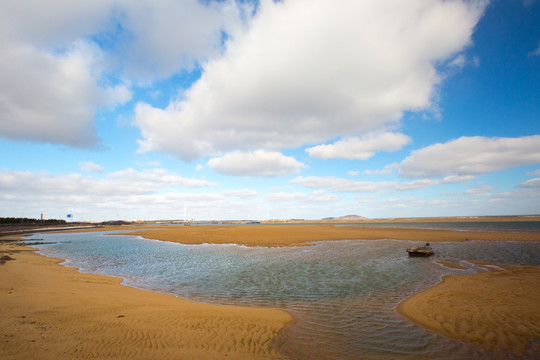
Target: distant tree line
column 20, row 220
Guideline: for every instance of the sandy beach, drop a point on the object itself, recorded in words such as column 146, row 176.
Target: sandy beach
column 498, row 309
column 50, row 311
column 53, row 312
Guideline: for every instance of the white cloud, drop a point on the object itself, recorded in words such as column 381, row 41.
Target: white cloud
column 144, row 39
column 353, row 173
column 315, row 197
column 424, row 183
column 309, row 71
column 360, row 148
column 342, row 185
column 124, row 182
column 241, row 193
column 345, row 185
column 531, row 183
column 535, row 52
column 129, row 193
column 161, row 37
column 384, row 171
column 88, row 166
column 458, row 62
column 158, row 178
column 50, row 97
column 58, row 67
column 255, row 163
column 470, row 156
column 484, row 190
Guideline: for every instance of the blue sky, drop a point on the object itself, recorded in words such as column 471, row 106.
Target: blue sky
column 117, row 109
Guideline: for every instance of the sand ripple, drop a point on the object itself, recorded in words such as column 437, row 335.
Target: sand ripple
column 499, row 309
column 52, row 312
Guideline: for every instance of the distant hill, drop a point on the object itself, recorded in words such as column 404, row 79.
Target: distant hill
column 346, row 218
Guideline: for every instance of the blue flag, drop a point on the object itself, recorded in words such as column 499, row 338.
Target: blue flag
column 68, row 215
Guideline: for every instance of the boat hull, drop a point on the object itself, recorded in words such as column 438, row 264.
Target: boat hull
column 420, row 251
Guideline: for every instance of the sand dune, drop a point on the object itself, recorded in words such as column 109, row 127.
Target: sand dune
column 53, row 312
column 499, row 309
column 290, row 235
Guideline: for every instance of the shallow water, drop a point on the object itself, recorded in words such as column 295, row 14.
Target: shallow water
column 342, row 294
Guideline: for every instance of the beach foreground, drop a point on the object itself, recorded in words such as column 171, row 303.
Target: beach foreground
column 54, row 312
column 498, row 309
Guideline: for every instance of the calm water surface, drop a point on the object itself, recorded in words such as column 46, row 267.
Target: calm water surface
column 342, row 294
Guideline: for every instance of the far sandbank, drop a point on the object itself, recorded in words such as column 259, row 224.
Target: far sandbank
column 297, row 235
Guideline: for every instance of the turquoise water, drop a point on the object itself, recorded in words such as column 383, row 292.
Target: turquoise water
column 342, row 294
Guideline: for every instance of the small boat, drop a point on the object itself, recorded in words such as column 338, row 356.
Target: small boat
column 425, row 250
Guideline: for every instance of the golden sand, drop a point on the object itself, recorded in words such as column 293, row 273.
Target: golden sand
column 294, row 235
column 49, row 311
column 499, row 309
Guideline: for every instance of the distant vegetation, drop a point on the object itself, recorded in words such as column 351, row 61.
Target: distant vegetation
column 18, row 221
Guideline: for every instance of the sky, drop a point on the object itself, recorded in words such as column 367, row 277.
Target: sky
column 243, row 109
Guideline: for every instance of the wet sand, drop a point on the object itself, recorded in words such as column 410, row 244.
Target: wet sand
column 498, row 309
column 296, row 235
column 48, row 311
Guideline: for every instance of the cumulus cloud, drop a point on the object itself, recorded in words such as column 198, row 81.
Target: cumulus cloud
column 50, row 97
column 158, row 178
column 345, row 185
column 124, row 182
column 471, row 156
column 424, row 183
column 336, row 184
column 88, row 166
column 309, row 71
column 255, row 163
column 484, row 190
column 318, row 196
column 388, row 169
column 531, row 183
column 58, row 68
column 361, row 148
column 165, row 36
column 90, row 198
column 241, row 193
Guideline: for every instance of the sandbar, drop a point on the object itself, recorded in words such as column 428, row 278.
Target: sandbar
column 497, row 309
column 298, row 235
column 48, row 311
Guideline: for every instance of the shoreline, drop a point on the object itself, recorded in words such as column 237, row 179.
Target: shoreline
column 50, row 311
